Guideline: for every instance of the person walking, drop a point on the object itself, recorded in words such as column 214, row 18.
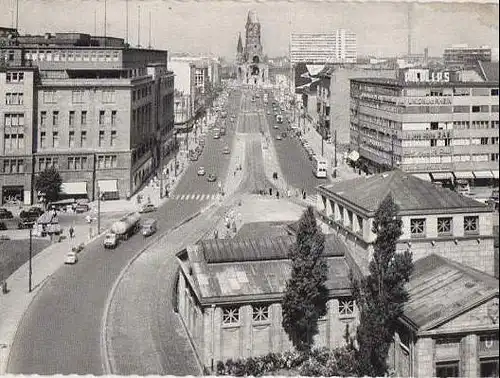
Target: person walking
column 270, row 191
column 71, row 232
column 277, row 194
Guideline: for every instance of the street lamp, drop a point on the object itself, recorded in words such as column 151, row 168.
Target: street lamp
column 30, row 269
column 98, row 209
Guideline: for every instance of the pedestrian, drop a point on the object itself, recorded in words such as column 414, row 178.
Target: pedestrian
column 71, row 232
column 304, row 195
column 270, row 191
column 216, row 234
column 277, row 194
column 166, row 192
column 149, row 199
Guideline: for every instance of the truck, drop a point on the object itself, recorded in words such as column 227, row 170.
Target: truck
column 124, row 228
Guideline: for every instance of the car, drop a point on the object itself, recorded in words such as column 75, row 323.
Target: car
column 26, row 223
column 71, row 258
column 268, row 112
column 217, row 136
column 4, row 237
column 211, row 177
column 5, row 214
column 31, row 212
column 193, row 157
column 82, row 208
column 276, row 127
column 226, row 150
column 202, row 142
column 278, row 137
column 201, row 171
column 147, row 208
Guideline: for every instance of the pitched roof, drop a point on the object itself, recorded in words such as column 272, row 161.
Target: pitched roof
column 259, row 229
column 440, row 288
column 410, row 193
column 225, row 269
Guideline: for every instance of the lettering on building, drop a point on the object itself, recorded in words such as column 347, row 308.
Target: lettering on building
column 426, row 76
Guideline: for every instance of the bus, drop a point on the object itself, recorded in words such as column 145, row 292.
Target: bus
column 320, row 167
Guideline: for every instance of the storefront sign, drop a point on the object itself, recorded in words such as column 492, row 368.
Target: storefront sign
column 426, row 135
column 427, row 100
column 426, row 76
column 426, row 167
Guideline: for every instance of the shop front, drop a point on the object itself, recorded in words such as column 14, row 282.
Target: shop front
column 108, row 189
column 76, row 190
column 13, row 194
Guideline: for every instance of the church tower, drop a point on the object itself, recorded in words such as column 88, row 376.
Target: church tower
column 251, row 67
column 239, row 50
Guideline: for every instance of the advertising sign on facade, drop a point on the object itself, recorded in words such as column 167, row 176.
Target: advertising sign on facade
column 426, row 76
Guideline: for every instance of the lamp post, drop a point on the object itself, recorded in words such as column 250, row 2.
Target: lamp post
column 98, row 210
column 30, row 269
column 335, row 153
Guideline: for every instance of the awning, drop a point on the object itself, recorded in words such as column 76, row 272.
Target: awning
column 74, row 187
column 353, row 156
column 483, row 174
column 442, row 175
column 422, row 176
column 107, row 186
column 495, row 174
column 463, row 175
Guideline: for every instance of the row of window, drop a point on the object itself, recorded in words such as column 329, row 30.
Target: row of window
column 13, row 119
column 424, row 158
column 108, row 96
column 141, row 92
column 102, row 120
column 418, row 227
column 74, row 163
column 14, row 98
column 261, row 313
column 72, row 56
column 13, row 142
column 14, row 77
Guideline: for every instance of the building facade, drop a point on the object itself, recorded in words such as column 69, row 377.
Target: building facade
column 229, row 295
column 435, row 220
column 99, row 112
column 251, row 68
column 320, row 48
column 444, row 123
column 463, row 56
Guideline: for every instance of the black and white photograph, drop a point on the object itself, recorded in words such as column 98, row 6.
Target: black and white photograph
column 249, row 188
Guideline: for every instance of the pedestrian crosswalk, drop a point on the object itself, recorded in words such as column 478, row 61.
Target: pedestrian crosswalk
column 194, row 197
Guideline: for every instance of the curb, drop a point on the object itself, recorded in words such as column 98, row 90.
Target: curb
column 107, row 364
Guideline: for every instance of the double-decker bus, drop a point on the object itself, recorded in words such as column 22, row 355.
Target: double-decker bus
column 320, row 167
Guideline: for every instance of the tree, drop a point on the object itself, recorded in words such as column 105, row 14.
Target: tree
column 381, row 295
column 306, row 294
column 49, row 182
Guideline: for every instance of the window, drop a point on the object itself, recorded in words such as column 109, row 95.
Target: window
column 100, row 161
column 43, row 119
column 71, row 139
column 494, row 157
column 112, row 141
column 476, row 109
column 44, row 163
column 489, row 367
column 260, row 313
column 13, row 119
column 49, row 97
column 108, row 96
column 230, row 315
column 13, row 166
column 434, row 125
column 55, row 139
column 102, row 115
column 83, row 138
column 77, row 163
column 484, row 141
column 471, row 225
column 444, row 226
column 447, row 369
column 77, row 97
column 113, row 118
column 346, row 307
column 14, row 99
column 83, row 118
column 55, row 118
column 101, row 138
column 14, row 77
column 43, row 140
column 494, row 92
column 71, row 118
column 417, row 228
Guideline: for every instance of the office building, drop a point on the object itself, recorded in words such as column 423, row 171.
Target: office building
column 321, row 48
column 463, row 56
column 98, row 111
column 440, row 122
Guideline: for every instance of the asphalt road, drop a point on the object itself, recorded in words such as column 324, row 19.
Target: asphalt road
column 60, row 331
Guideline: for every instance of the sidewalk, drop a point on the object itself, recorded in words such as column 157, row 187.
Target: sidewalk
column 16, row 301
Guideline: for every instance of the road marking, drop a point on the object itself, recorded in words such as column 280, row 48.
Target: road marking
column 197, row 197
column 182, row 197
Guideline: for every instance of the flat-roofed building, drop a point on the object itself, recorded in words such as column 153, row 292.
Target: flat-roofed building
column 100, row 112
column 338, row 46
column 463, row 56
column 440, row 122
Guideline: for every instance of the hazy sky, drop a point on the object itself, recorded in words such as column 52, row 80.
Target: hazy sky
column 212, row 26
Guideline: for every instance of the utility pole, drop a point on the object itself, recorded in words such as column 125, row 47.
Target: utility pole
column 30, row 269
column 335, row 153
column 98, row 210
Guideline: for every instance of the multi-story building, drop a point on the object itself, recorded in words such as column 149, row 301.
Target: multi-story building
column 444, row 123
column 463, row 56
column 100, row 112
column 321, row 48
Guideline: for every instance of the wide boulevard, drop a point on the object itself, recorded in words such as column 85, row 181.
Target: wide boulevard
column 61, row 330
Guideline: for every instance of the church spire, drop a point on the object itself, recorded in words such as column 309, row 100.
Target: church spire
column 239, row 49
column 252, row 17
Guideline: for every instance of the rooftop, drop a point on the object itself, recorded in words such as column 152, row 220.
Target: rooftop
column 410, row 193
column 441, row 289
column 489, row 70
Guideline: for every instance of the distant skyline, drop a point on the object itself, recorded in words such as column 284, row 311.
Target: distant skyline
column 212, row 26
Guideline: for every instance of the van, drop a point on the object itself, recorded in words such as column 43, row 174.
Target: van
column 148, row 227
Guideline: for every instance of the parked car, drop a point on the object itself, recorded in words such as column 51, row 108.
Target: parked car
column 278, row 137
column 217, row 136
column 147, row 208
column 201, row 171
column 211, row 177
column 71, row 258
column 5, row 214
column 276, row 127
column 4, row 237
column 32, row 212
column 226, row 150
column 202, row 142
column 193, row 157
column 26, row 223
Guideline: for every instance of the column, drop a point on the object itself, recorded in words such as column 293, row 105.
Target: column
column 275, row 310
column 424, row 358
column 469, row 364
column 246, row 330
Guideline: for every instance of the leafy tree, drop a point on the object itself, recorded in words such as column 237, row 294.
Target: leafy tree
column 49, row 182
column 306, row 294
column 381, row 295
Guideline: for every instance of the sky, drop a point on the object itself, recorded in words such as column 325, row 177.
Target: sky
column 212, row 26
